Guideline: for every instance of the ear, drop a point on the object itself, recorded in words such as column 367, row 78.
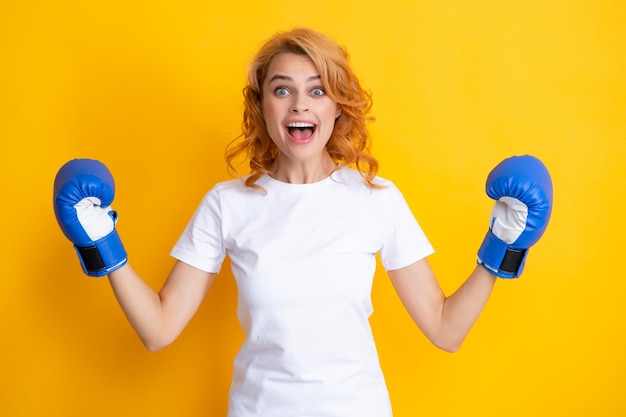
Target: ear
column 337, row 113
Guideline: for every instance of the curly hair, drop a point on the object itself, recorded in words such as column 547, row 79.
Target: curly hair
column 350, row 141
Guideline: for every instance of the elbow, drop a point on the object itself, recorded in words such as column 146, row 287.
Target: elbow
column 449, row 348
column 154, row 345
column 448, row 338
column 449, row 345
column 157, row 338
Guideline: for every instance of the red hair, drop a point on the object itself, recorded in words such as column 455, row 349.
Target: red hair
column 350, row 141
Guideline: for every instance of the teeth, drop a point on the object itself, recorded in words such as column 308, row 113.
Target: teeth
column 300, row 124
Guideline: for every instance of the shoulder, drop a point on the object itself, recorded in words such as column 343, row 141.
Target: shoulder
column 350, row 184
column 226, row 192
column 232, row 187
column 351, row 176
column 385, row 191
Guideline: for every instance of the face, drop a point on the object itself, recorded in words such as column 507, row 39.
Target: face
column 299, row 115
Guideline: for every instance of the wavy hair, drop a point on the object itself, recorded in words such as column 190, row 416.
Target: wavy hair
column 350, row 140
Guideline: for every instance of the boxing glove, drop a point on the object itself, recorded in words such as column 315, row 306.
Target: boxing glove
column 522, row 188
column 83, row 193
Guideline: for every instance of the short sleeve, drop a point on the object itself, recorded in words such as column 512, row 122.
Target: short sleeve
column 201, row 244
column 405, row 241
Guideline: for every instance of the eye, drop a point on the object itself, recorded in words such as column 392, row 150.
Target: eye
column 281, row 91
column 317, row 92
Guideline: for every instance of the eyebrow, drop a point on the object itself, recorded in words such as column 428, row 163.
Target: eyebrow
column 288, row 78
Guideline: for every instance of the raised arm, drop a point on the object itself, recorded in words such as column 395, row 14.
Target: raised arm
column 83, row 193
column 159, row 318
column 446, row 321
column 522, row 189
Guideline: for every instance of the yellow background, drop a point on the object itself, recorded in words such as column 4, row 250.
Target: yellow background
column 153, row 89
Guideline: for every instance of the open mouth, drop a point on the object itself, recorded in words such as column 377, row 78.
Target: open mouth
column 301, row 131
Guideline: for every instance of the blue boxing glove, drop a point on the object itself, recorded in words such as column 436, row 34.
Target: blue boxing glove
column 522, row 188
column 83, row 192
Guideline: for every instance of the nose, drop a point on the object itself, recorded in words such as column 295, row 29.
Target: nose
column 299, row 103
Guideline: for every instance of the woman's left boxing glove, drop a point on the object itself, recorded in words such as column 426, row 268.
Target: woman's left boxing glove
column 522, row 188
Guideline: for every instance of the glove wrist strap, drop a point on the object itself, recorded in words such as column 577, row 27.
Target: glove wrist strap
column 103, row 256
column 500, row 258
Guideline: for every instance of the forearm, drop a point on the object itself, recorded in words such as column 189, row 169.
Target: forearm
column 142, row 307
column 462, row 308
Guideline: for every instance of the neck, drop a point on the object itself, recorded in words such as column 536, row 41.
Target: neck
column 302, row 172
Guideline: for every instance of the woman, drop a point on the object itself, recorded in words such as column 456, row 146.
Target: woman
column 302, row 231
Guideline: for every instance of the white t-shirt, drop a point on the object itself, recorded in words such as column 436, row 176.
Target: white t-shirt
column 304, row 256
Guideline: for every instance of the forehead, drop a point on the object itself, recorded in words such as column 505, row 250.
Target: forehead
column 292, row 66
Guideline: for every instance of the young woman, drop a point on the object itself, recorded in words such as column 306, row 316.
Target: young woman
column 302, row 230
